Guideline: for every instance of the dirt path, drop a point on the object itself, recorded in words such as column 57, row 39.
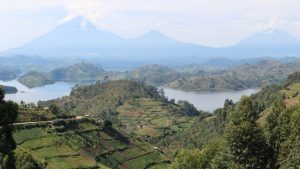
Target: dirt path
column 50, row 121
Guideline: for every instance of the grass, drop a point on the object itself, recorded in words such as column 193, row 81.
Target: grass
column 54, row 151
column 147, row 131
column 292, row 92
column 160, row 166
column 41, row 142
column 144, row 161
column 295, row 86
column 113, row 144
column 73, row 162
column 28, row 134
column 291, row 102
column 288, row 92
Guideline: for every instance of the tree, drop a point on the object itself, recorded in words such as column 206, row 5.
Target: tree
column 289, row 151
column 245, row 141
column 188, row 108
column 198, row 159
column 273, row 131
column 25, row 161
column 187, row 159
column 105, row 78
column 8, row 115
column 54, row 109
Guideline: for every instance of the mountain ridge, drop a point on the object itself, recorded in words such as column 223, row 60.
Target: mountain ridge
column 81, row 38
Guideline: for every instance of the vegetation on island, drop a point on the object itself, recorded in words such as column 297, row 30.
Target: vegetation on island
column 33, row 79
column 260, row 74
column 77, row 73
column 257, row 74
column 9, row 89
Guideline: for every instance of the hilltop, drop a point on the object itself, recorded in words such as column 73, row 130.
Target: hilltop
column 256, row 73
column 136, row 107
column 260, row 74
column 77, row 73
column 154, row 74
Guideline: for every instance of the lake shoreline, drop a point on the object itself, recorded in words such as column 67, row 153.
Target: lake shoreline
column 201, row 99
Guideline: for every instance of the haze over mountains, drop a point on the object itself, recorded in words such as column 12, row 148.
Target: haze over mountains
column 81, row 39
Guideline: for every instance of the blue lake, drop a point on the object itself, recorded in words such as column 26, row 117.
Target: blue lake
column 46, row 92
column 207, row 101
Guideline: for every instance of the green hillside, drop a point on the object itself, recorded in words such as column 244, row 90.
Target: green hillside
column 260, row 74
column 128, row 124
column 154, row 74
column 137, row 108
column 9, row 89
column 34, row 79
column 85, row 144
column 263, row 73
column 230, row 137
column 80, row 72
column 77, row 73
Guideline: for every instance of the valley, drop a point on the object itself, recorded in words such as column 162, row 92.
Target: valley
column 128, row 124
column 134, row 84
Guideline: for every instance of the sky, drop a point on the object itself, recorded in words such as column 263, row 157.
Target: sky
column 213, row 23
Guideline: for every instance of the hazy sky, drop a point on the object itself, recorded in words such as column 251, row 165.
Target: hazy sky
column 208, row 22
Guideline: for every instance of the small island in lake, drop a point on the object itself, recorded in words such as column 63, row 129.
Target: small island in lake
column 9, row 89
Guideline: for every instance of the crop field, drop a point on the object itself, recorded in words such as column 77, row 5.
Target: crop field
column 146, row 117
column 87, row 145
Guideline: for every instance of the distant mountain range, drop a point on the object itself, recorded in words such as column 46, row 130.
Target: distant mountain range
column 81, row 39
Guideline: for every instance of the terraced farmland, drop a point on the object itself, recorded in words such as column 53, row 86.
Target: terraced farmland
column 87, row 145
column 149, row 117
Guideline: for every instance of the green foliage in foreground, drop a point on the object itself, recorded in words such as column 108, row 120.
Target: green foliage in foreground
column 25, row 161
column 8, row 115
column 244, row 138
column 273, row 144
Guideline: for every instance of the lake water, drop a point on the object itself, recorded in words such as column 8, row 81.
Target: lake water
column 46, row 92
column 207, row 101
